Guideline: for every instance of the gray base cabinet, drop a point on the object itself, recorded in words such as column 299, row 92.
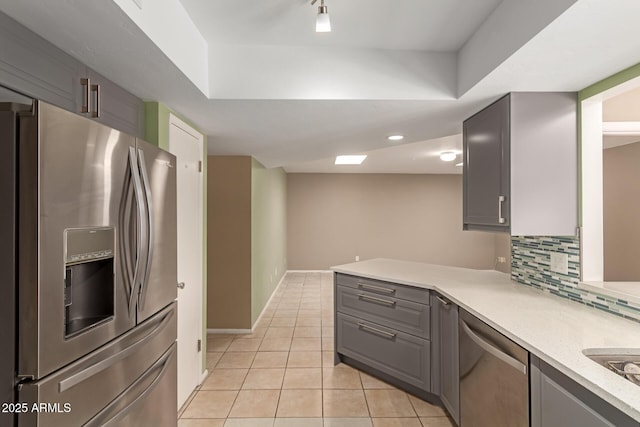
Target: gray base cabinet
column 400, row 355
column 384, row 326
column 445, row 359
column 557, row 401
column 34, row 67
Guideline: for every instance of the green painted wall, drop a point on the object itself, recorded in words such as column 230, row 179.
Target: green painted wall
column 609, row 82
column 156, row 131
column 268, row 233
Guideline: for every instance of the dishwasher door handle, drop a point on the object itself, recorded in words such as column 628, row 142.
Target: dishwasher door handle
column 489, row 348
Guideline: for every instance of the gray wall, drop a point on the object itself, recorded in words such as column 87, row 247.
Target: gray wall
column 331, row 218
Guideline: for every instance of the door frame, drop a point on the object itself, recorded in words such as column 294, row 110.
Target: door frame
column 176, row 121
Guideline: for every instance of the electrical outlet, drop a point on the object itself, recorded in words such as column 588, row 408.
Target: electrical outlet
column 559, row 262
column 357, row 258
column 501, row 260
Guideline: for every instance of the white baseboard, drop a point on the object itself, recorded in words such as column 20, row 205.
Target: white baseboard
column 248, row 331
column 269, row 301
column 309, row 271
column 203, row 376
column 229, row 331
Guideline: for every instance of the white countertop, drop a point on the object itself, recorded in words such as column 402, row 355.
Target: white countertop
column 554, row 329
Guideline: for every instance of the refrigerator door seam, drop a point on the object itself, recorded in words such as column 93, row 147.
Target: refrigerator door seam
column 149, row 222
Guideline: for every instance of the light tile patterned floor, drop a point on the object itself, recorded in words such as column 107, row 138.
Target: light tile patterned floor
column 282, row 375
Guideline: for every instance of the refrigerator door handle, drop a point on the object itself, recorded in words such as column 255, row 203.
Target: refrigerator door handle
column 103, row 418
column 149, row 222
column 141, row 232
column 126, row 241
column 92, row 370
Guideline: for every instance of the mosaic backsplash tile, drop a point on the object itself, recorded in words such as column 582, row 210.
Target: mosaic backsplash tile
column 530, row 265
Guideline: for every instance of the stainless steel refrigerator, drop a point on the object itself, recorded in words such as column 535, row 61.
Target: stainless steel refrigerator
column 88, row 252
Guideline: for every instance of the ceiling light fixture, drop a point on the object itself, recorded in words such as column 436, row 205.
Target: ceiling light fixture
column 350, row 159
column 459, row 164
column 448, row 156
column 395, row 138
column 323, row 24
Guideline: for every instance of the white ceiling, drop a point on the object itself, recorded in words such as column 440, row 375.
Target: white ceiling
column 258, row 81
column 424, row 25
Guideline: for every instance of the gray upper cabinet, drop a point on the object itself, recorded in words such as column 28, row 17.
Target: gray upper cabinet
column 31, row 65
column 34, row 67
column 556, row 400
column 520, row 171
column 112, row 105
column 486, row 167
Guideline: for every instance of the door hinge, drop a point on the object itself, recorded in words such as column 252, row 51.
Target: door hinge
column 200, row 166
column 199, row 345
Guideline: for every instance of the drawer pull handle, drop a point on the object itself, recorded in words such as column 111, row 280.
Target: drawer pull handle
column 378, row 300
column 389, row 291
column 376, row 331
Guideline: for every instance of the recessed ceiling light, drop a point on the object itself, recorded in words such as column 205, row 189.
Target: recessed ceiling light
column 395, row 137
column 448, row 156
column 350, row 159
column 459, row 164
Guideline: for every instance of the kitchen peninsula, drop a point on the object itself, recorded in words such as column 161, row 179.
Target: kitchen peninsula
column 554, row 330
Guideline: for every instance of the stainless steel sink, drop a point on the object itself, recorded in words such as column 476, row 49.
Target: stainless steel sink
column 623, row 361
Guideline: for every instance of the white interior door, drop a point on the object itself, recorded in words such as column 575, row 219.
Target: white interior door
column 187, row 145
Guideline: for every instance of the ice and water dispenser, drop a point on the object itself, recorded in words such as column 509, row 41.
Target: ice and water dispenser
column 89, row 280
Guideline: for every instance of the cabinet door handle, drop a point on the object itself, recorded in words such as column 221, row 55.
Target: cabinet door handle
column 87, row 96
column 443, row 301
column 96, row 89
column 377, row 288
column 501, row 219
column 376, row 331
column 378, row 300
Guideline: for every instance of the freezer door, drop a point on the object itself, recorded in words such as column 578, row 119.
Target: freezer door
column 129, row 382
column 74, row 178
column 159, row 278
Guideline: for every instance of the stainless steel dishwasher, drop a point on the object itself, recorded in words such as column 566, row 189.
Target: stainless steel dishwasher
column 494, row 377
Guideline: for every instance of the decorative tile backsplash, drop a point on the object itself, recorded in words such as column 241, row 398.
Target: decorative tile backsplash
column 530, row 265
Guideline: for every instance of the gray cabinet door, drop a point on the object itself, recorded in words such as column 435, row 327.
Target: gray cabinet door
column 114, row 106
column 400, row 355
column 449, row 367
column 31, row 65
column 486, row 168
column 556, row 401
column 34, row 67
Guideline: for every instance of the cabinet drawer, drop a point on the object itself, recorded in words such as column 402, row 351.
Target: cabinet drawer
column 406, row 316
column 400, row 355
column 384, row 288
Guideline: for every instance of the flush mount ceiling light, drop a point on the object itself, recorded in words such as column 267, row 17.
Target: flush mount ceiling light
column 448, row 156
column 350, row 159
column 395, row 138
column 323, row 24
